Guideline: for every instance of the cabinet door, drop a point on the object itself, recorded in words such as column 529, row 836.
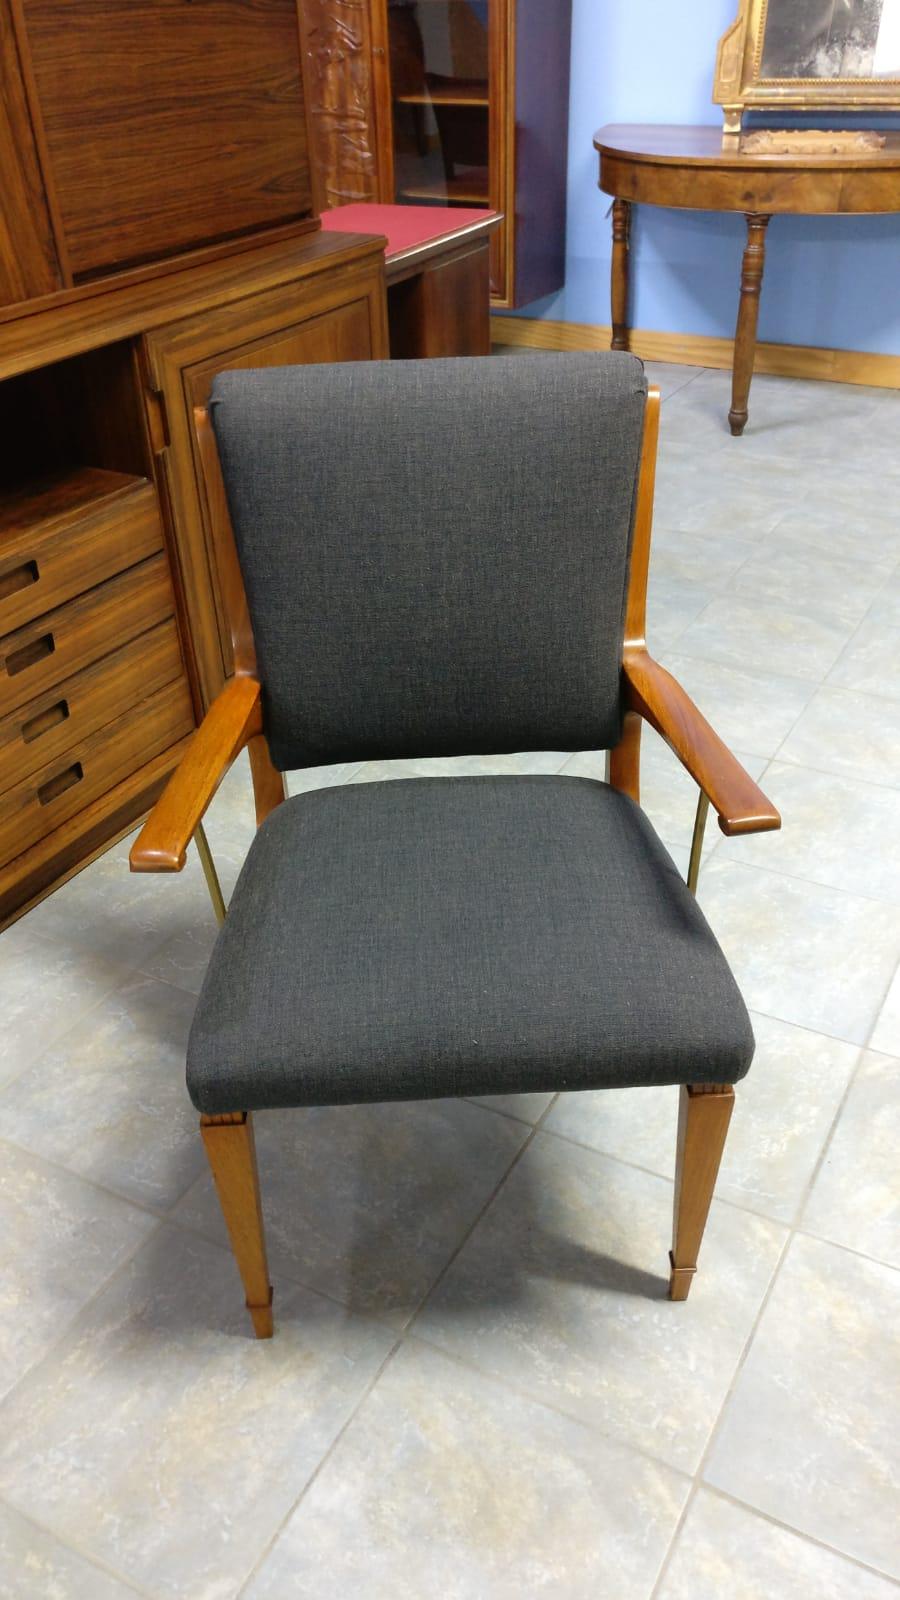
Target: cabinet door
column 452, row 133
column 168, row 126
column 339, row 316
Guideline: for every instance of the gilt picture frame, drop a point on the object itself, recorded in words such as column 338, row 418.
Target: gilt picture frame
column 811, row 55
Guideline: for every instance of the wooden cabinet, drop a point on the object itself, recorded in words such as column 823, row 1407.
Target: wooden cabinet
column 448, row 102
column 156, row 226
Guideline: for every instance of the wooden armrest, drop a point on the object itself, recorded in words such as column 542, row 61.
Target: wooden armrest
column 660, row 700
column 234, row 718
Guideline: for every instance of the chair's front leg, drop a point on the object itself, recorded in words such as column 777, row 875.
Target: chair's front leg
column 231, row 1151
column 704, row 1113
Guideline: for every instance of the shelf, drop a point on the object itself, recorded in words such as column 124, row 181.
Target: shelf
column 62, row 497
column 469, row 189
column 464, row 92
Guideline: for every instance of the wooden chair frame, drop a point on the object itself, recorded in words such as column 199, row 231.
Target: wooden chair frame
column 234, row 721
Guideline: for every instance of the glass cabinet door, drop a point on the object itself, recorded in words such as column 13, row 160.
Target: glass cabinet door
column 440, row 82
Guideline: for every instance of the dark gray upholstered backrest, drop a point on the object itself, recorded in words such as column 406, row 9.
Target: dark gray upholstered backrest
column 435, row 552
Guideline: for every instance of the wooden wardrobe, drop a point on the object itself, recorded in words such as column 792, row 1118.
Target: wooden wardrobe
column 157, row 224
column 448, row 102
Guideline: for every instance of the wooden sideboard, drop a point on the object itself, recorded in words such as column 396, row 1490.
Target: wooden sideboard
column 143, row 248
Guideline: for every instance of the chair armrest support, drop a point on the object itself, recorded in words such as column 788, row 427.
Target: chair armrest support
column 655, row 695
column 233, row 719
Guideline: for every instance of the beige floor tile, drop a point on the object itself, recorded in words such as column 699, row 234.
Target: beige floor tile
column 886, row 605
column 164, row 1440
column 803, row 953
column 886, row 1034
column 109, row 1102
column 368, row 1203
column 527, row 1107
column 694, row 504
column 855, row 1200
column 461, row 766
column 870, row 664
column 809, row 1434
column 669, row 377
column 697, row 557
column 750, row 709
column 447, row 1485
column 35, row 1566
column 307, row 778
column 837, row 517
column 726, row 1550
column 783, row 1112
column 835, row 831
column 61, row 1239
column 854, row 735
column 781, row 574
column 183, row 959
column 672, row 605
column 669, row 794
column 46, row 985
column 119, row 916
column 561, row 1291
column 741, row 633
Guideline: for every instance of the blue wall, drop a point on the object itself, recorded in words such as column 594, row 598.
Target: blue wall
column 832, row 281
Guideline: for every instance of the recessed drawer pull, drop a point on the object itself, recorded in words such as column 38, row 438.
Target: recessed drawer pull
column 30, row 654
column 20, row 578
column 44, row 721
column 54, row 787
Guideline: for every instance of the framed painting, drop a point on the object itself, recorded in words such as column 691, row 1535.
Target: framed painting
column 809, row 55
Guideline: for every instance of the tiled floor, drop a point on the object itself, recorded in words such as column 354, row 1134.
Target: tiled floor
column 478, row 1389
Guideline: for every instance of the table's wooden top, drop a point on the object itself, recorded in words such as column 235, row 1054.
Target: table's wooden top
column 666, row 144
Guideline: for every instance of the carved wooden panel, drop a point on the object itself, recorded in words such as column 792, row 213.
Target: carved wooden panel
column 341, row 87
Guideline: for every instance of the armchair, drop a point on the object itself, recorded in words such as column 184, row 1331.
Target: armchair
column 435, row 558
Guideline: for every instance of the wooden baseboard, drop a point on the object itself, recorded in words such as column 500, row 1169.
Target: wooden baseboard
column 700, row 350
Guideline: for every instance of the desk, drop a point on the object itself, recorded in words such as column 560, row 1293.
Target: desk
column 437, row 270
column 695, row 169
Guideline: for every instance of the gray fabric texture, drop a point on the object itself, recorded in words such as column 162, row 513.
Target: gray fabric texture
column 434, row 552
column 460, row 936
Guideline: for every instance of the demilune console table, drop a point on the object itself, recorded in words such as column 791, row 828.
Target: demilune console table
column 698, row 169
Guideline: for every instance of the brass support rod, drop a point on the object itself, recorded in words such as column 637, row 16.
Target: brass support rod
column 693, row 872
column 210, row 873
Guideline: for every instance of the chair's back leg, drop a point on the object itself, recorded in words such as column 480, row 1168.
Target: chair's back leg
column 704, row 1113
column 231, row 1151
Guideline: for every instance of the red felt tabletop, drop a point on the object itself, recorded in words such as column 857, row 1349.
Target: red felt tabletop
column 404, row 226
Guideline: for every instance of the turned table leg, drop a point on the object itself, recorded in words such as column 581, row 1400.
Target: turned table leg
column 748, row 317
column 621, row 231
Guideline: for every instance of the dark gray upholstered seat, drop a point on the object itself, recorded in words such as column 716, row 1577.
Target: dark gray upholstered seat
column 460, row 936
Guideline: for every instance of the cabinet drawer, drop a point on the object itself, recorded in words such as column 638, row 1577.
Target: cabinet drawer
column 89, row 768
column 54, row 646
column 71, row 537
column 62, row 717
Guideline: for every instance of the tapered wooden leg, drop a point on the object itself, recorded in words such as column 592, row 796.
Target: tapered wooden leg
column 748, row 317
column 621, row 230
column 704, row 1113
column 231, row 1152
